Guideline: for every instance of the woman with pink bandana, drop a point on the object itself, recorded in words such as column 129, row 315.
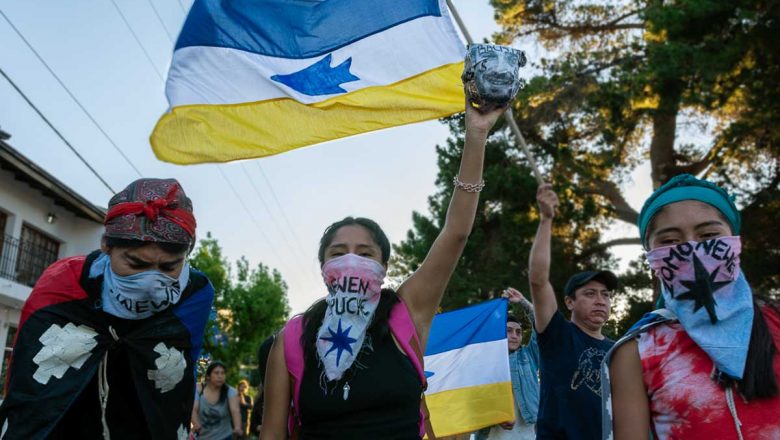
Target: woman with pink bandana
column 351, row 364
column 706, row 365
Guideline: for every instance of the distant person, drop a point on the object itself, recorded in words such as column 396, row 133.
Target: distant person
column 524, row 370
column 245, row 405
column 570, row 351
column 256, row 420
column 108, row 343
column 216, row 414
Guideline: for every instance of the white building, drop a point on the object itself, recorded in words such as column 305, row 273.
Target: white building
column 41, row 220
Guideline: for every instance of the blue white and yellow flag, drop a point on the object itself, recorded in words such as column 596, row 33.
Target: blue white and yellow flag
column 467, row 364
column 255, row 78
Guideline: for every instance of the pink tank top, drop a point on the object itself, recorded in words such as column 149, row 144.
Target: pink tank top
column 685, row 403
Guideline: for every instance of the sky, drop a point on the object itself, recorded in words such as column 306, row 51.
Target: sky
column 110, row 59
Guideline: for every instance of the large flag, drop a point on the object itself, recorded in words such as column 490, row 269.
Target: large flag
column 255, row 78
column 467, row 364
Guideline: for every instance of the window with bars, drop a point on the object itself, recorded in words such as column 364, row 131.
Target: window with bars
column 36, row 252
column 8, row 349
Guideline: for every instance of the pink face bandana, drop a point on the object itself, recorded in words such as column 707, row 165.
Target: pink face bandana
column 354, row 287
column 703, row 285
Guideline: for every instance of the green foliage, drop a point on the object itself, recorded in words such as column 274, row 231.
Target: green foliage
column 250, row 306
column 690, row 85
column 497, row 252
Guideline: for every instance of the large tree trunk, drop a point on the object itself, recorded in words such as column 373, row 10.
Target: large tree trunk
column 662, row 156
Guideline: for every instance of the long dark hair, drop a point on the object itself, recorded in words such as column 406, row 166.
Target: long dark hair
column 223, row 392
column 312, row 317
column 759, row 380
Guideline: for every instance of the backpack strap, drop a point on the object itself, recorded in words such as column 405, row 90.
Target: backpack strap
column 403, row 328
column 293, row 357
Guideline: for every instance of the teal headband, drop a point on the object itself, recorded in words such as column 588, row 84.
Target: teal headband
column 687, row 187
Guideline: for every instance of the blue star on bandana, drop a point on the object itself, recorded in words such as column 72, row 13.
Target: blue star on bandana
column 340, row 340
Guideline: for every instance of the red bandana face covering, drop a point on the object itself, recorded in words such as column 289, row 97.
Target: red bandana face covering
column 154, row 210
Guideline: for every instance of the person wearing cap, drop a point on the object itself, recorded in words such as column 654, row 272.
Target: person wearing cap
column 570, row 351
column 107, row 343
column 706, row 365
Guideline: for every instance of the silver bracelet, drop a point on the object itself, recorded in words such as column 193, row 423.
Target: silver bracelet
column 468, row 187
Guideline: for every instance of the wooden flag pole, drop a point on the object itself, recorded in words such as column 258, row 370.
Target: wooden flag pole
column 508, row 114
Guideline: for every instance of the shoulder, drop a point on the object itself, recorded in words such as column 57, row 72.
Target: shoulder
column 232, row 392
column 59, row 283
column 200, row 283
column 557, row 326
column 67, row 270
column 771, row 312
column 661, row 344
column 662, row 336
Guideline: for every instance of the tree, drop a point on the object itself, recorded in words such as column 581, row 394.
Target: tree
column 632, row 79
column 496, row 254
column 689, row 86
column 247, row 308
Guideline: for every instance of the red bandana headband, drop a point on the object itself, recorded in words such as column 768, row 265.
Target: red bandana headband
column 167, row 207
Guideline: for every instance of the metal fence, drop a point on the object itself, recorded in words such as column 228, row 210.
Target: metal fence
column 22, row 261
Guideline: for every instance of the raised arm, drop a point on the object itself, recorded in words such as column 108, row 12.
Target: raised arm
column 423, row 290
column 277, row 394
column 542, row 292
column 515, row 297
column 630, row 407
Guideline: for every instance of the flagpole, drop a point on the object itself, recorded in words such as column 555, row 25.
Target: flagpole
column 508, row 114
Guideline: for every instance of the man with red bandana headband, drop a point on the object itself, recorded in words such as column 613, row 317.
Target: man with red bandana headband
column 706, row 365
column 108, row 342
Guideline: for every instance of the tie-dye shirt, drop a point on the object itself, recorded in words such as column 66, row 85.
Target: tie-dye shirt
column 685, row 403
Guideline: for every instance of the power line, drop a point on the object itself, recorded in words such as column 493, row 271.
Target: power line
column 84, row 161
column 249, row 213
column 183, row 8
column 241, row 201
column 251, row 181
column 159, row 18
column 137, row 40
column 89, row 115
column 260, row 196
column 270, row 214
column 279, row 206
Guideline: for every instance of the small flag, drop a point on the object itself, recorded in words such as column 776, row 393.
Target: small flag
column 467, row 364
column 256, row 78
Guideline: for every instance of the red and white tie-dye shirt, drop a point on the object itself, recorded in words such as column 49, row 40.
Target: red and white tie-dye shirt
column 685, row 403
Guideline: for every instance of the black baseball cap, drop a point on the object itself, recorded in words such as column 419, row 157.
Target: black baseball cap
column 577, row 280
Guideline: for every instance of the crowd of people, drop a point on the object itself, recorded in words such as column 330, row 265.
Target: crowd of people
column 108, row 343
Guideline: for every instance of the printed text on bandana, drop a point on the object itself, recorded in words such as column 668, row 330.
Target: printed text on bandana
column 717, row 249
column 172, row 293
column 340, row 305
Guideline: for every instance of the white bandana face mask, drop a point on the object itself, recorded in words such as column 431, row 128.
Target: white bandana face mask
column 354, row 287
column 140, row 295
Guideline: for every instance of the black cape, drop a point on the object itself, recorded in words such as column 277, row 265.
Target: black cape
column 52, row 386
